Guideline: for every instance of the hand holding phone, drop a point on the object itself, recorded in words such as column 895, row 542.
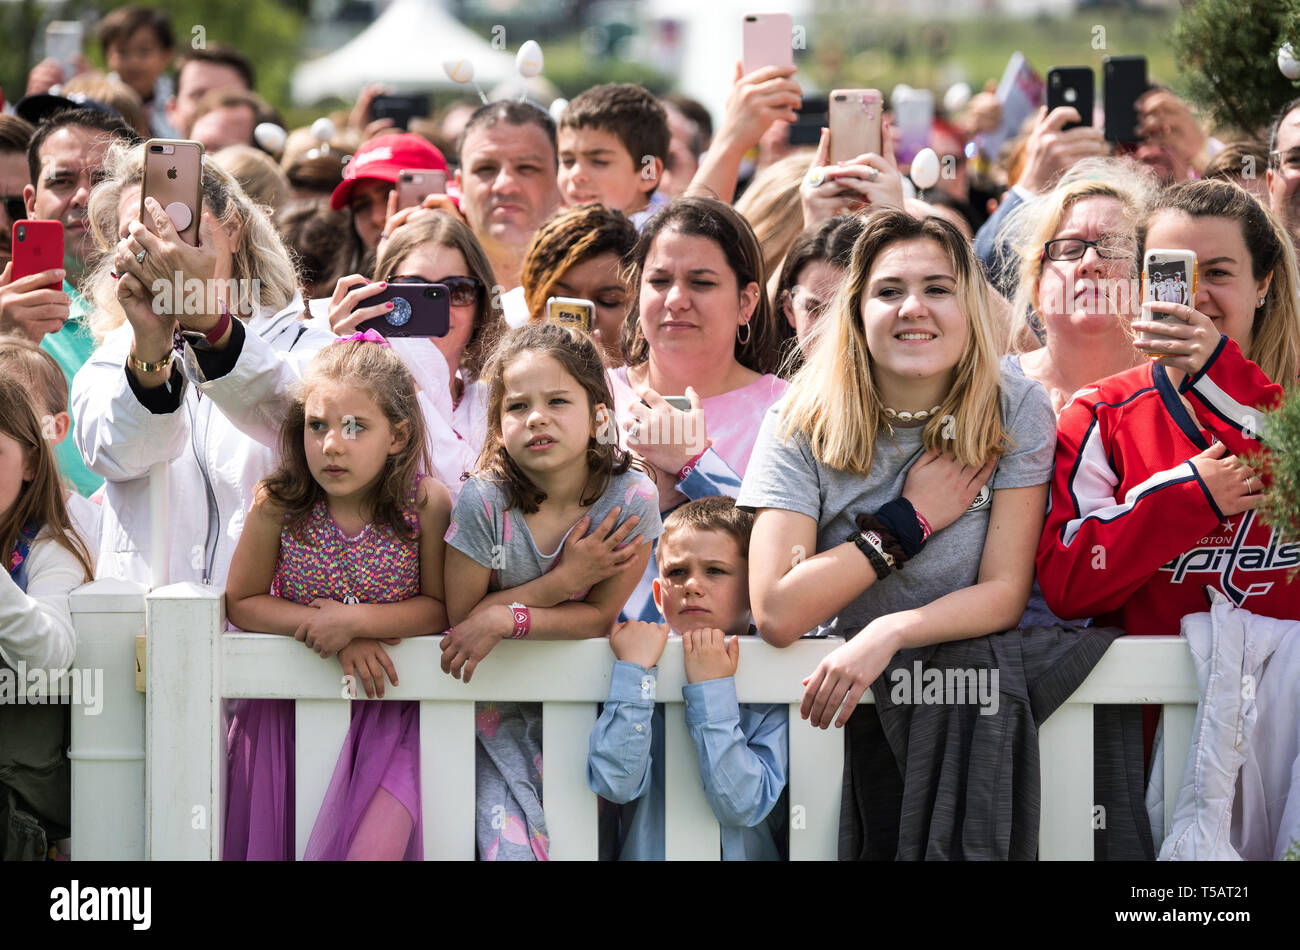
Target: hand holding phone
column 418, row 309
column 173, row 176
column 414, row 185
column 855, row 123
column 1071, row 86
column 1168, row 276
column 32, row 301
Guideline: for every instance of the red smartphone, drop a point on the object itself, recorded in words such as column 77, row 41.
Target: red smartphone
column 418, row 310
column 38, row 246
column 173, row 176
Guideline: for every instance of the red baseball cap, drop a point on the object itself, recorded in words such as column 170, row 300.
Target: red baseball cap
column 382, row 158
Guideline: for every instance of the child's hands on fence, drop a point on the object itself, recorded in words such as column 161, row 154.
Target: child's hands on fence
column 635, row 641
column 329, row 630
column 465, row 644
column 709, row 654
column 591, row 557
column 368, row 661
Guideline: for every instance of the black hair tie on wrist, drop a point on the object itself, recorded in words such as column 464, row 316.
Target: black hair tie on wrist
column 889, row 541
column 899, row 519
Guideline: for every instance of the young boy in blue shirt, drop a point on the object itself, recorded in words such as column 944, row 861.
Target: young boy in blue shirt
column 703, row 591
column 612, row 141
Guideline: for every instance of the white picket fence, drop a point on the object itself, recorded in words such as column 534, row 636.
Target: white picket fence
column 148, row 772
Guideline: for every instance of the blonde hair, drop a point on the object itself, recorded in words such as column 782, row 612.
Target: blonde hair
column 1035, row 223
column 113, row 93
column 258, row 174
column 1275, row 332
column 258, row 254
column 771, row 206
column 834, row 400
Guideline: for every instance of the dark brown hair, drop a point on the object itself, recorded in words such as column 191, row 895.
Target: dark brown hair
column 578, row 356
column 1275, row 332
column 119, row 26
column 41, row 499
column 382, row 374
column 715, row 513
column 625, row 110
column 220, row 55
column 566, row 239
column 830, row 242
column 510, row 113
column 442, row 230
column 109, row 123
column 721, row 224
column 15, row 134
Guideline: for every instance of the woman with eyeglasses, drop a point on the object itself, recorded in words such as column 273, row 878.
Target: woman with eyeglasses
column 1076, row 289
column 437, row 249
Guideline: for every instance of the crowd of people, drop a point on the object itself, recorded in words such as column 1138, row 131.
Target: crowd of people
column 813, row 401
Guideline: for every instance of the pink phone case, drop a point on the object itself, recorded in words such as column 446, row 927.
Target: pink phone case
column 768, row 41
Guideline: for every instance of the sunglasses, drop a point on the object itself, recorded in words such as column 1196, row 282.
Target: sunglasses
column 15, row 207
column 461, row 291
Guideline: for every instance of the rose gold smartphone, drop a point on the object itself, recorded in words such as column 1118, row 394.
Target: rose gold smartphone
column 414, row 185
column 1168, row 276
column 767, row 40
column 173, row 176
column 855, row 117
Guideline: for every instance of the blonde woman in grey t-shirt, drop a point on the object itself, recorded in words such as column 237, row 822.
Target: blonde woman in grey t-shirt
column 900, row 414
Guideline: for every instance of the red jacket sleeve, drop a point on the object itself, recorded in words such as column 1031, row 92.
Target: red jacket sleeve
column 1232, row 398
column 1097, row 548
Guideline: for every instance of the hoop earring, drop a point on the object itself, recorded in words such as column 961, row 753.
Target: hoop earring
column 748, row 333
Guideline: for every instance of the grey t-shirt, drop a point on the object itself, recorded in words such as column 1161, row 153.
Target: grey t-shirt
column 784, row 474
column 497, row 537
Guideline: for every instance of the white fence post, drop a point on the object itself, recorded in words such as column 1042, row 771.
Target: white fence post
column 571, row 818
column 1066, row 788
column 186, row 743
column 816, row 780
column 107, row 748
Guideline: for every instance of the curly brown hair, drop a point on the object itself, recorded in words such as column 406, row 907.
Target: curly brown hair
column 579, row 356
column 382, row 374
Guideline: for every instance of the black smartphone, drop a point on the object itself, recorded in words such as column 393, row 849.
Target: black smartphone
column 1124, row 80
column 401, row 109
column 418, row 310
column 1071, row 86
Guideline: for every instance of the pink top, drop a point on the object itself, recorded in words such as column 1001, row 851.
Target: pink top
column 371, row 567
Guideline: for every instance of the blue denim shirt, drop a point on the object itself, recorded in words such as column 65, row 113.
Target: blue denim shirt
column 744, row 763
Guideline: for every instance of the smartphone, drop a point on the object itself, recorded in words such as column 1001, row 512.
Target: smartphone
column 413, row 186
column 173, row 176
column 418, row 310
column 1168, row 276
column 570, row 312
column 767, row 40
column 63, row 42
column 913, row 118
column 855, row 116
column 680, row 403
column 38, row 246
column 1124, row 80
column 1071, row 86
column 401, row 109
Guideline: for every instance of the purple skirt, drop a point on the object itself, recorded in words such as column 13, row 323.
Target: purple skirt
column 381, row 750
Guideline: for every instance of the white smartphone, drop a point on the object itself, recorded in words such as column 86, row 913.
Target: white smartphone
column 63, row 42
column 768, row 40
column 1168, row 276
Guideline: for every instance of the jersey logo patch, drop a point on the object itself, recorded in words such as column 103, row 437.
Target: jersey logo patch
column 1234, row 563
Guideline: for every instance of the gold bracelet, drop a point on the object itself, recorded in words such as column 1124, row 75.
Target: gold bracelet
column 144, row 366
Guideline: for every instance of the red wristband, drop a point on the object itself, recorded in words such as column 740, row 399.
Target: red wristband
column 926, row 530
column 523, row 621
column 690, row 466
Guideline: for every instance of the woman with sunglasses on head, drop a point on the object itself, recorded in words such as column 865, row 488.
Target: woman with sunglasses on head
column 436, row 249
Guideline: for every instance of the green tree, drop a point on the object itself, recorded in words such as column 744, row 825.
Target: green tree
column 1281, row 507
column 1227, row 53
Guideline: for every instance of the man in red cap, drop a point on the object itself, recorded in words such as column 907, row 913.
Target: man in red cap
column 372, row 174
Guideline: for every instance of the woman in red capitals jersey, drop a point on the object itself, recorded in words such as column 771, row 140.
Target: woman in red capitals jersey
column 1152, row 498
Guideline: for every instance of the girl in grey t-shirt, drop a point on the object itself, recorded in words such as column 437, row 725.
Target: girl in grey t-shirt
column 901, row 396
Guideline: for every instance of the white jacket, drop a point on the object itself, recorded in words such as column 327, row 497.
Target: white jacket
column 220, row 443
column 1240, row 797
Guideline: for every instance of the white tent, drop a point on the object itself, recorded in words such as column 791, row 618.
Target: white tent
column 404, row 48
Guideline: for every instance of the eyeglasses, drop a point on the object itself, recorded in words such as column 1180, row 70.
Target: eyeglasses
column 1289, row 159
column 14, row 207
column 461, row 291
column 1073, row 249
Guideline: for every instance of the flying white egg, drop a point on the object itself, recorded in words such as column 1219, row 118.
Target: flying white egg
column 322, row 130
column 925, row 169
column 458, row 70
column 1287, row 63
column 269, row 136
column 529, row 59
column 957, row 96
column 557, row 109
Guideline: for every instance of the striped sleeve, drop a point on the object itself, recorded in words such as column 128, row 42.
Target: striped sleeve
column 1098, row 548
column 1232, row 398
